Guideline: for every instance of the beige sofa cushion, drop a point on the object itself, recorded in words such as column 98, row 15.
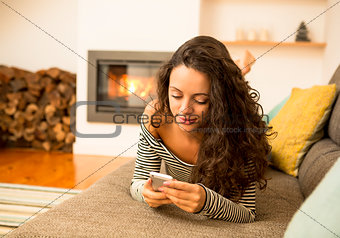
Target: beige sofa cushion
column 334, row 121
column 318, row 161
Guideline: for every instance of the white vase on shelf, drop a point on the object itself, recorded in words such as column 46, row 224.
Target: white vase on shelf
column 251, row 35
column 239, row 34
column 264, row 35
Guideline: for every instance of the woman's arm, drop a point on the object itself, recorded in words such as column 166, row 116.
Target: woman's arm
column 211, row 204
column 218, row 207
column 147, row 161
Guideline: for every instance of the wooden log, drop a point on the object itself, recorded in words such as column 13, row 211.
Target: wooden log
column 29, row 98
column 66, row 120
column 18, row 84
column 31, row 111
column 19, row 117
column 41, row 72
column 65, row 90
column 59, row 133
column 69, row 78
column 70, row 104
column 67, row 148
column 50, row 112
column 53, row 72
column 33, row 84
column 32, row 78
column 39, row 116
column 16, row 130
column 35, row 89
column 57, row 100
column 6, row 74
column 66, row 128
column 29, row 133
column 35, row 108
column 20, row 73
column 72, row 101
column 40, row 132
column 37, row 144
column 18, row 99
column 43, row 126
column 14, row 96
column 4, row 90
column 58, row 146
column 5, row 121
column 48, row 84
column 69, row 138
column 50, row 134
column 3, row 105
column 43, row 101
column 46, row 145
column 11, row 108
column 50, row 109
column 52, row 120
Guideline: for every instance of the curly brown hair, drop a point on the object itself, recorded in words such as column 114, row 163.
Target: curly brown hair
column 222, row 156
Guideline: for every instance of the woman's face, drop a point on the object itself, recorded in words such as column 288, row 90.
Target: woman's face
column 188, row 97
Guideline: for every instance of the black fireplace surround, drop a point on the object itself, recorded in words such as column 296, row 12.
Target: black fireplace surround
column 120, row 83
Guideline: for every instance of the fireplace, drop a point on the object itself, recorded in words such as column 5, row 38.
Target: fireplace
column 120, row 83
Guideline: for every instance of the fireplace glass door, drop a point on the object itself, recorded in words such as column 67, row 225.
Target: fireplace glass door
column 131, row 85
column 125, row 78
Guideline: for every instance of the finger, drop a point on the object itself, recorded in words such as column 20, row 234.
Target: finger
column 148, row 192
column 158, row 202
column 180, row 185
column 148, row 183
column 178, row 201
column 180, row 194
column 183, row 204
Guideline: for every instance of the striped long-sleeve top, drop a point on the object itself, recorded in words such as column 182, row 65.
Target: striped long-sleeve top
column 151, row 151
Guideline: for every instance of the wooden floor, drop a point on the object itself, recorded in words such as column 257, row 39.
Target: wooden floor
column 55, row 169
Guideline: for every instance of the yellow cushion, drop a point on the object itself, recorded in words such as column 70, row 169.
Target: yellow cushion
column 299, row 124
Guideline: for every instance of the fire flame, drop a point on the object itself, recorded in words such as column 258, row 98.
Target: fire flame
column 132, row 87
column 128, row 84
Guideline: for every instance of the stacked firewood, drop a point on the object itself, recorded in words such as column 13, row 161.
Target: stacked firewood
column 35, row 108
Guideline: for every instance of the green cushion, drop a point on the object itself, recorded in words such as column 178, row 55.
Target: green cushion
column 276, row 109
column 319, row 215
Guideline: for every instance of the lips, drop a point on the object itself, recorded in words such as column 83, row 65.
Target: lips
column 187, row 122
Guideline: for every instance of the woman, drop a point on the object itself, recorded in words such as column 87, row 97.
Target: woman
column 207, row 127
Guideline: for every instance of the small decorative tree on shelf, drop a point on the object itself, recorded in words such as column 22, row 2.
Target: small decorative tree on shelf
column 302, row 33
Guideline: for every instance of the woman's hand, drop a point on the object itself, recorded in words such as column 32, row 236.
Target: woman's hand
column 153, row 198
column 189, row 197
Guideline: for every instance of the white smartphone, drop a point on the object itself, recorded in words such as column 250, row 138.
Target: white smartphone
column 158, row 179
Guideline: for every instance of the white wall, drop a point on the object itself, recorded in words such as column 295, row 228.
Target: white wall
column 126, row 25
column 163, row 25
column 332, row 52
column 281, row 69
column 221, row 18
column 23, row 45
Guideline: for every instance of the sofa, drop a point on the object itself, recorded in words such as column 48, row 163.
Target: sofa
column 106, row 209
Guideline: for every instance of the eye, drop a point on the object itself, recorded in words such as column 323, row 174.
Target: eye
column 201, row 102
column 175, row 96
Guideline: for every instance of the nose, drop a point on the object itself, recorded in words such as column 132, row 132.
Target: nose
column 186, row 107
